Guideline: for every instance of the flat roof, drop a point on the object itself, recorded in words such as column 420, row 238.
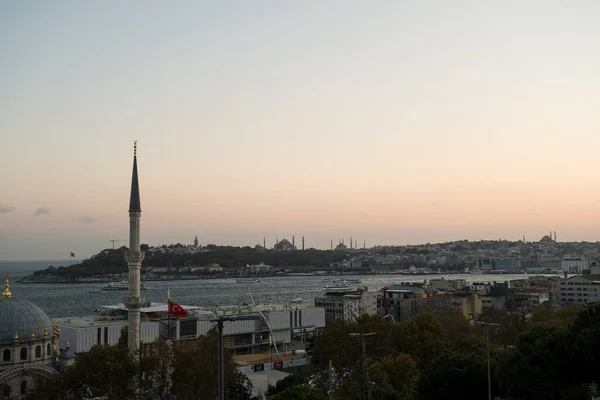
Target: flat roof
column 154, row 307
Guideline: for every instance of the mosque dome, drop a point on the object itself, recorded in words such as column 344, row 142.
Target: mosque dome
column 21, row 317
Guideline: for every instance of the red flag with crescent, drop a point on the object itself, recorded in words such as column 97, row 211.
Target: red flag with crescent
column 176, row 309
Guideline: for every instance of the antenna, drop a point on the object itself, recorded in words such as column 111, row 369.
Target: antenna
column 114, row 241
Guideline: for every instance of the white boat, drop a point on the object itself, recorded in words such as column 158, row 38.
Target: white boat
column 96, row 291
column 249, row 280
column 342, row 287
column 346, row 280
column 297, row 300
column 121, row 286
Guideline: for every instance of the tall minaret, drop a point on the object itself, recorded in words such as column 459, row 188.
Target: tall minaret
column 302, row 242
column 134, row 258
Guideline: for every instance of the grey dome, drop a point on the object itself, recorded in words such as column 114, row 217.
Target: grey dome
column 22, row 316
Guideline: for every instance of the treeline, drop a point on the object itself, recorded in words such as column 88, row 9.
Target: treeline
column 163, row 370
column 112, row 261
column 552, row 355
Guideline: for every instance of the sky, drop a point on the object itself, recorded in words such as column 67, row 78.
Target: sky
column 394, row 122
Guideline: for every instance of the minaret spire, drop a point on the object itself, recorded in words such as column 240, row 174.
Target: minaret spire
column 134, row 257
column 134, row 198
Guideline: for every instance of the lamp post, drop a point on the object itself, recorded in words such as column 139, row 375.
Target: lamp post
column 365, row 371
column 487, row 341
column 219, row 321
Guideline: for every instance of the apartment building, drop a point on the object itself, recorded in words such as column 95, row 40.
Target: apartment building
column 574, row 265
column 577, row 289
column 347, row 305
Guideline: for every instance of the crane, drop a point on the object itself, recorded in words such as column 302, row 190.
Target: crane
column 113, row 242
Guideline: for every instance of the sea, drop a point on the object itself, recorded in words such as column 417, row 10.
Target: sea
column 76, row 299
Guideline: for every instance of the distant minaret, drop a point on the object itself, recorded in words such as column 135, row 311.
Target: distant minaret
column 355, row 246
column 302, row 242
column 293, row 241
column 555, row 236
column 350, row 242
column 196, row 242
column 133, row 301
column 264, row 242
column 331, row 244
column 365, row 244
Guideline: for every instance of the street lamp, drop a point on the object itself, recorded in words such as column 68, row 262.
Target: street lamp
column 365, row 371
column 487, row 341
column 219, row 321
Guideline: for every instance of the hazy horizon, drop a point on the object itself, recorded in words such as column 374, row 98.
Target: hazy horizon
column 391, row 122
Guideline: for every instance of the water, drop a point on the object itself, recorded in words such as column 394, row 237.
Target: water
column 60, row 300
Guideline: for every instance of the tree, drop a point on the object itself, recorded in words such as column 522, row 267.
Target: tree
column 299, row 392
column 397, row 375
column 186, row 363
column 422, row 337
column 452, row 376
column 542, row 366
column 104, row 370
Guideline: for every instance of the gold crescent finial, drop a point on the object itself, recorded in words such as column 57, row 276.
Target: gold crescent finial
column 135, row 147
column 6, row 292
column 68, row 344
column 32, row 335
column 45, row 332
column 16, row 337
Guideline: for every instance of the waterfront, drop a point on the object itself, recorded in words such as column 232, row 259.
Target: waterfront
column 60, row 300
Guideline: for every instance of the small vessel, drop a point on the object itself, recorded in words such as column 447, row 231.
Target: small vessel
column 249, row 280
column 339, row 288
column 297, row 300
column 96, row 291
column 124, row 285
column 346, row 280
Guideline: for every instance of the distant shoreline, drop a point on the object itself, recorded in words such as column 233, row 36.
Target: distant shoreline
column 25, row 279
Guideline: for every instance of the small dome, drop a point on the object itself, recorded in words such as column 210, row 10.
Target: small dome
column 23, row 317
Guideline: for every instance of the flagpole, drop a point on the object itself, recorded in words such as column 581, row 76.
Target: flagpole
column 168, row 315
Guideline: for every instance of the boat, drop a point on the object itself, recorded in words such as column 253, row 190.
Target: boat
column 346, row 280
column 124, row 285
column 96, row 291
column 297, row 300
column 339, row 288
column 249, row 280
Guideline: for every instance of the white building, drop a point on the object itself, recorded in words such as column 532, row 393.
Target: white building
column 574, row 265
column 347, row 305
column 242, row 337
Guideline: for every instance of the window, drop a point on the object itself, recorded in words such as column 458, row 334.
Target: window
column 48, row 352
column 106, row 335
column 6, row 355
column 188, row 328
column 99, row 338
column 23, row 353
column 23, row 386
column 38, row 351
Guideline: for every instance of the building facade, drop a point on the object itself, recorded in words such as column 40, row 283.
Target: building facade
column 577, row 289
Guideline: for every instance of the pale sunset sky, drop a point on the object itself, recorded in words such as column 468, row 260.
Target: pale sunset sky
column 394, row 122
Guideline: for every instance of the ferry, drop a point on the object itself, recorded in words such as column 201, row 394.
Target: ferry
column 339, row 288
column 297, row 300
column 346, row 280
column 249, row 280
column 121, row 286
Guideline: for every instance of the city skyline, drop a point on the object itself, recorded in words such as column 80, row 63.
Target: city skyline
column 391, row 123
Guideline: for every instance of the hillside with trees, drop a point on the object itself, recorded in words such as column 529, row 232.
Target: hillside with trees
column 112, row 261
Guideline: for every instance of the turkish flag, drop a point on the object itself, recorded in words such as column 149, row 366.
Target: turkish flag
column 72, row 254
column 176, row 309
